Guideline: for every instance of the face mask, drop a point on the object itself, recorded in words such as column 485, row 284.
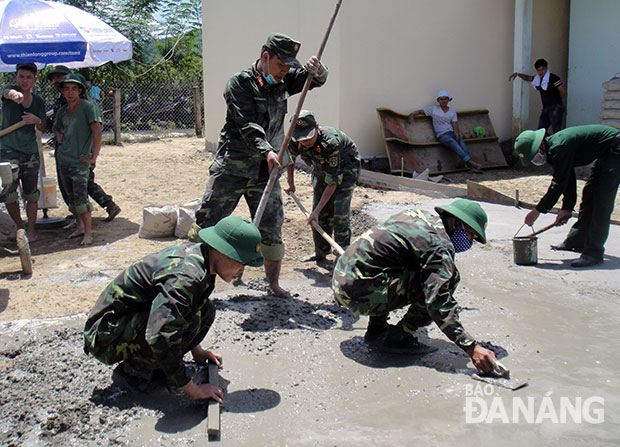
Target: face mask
column 460, row 240
column 269, row 78
column 539, row 159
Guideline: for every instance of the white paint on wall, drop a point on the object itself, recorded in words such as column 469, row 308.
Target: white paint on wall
column 594, row 56
column 395, row 53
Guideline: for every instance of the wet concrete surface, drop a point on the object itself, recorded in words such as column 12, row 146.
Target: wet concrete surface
column 298, row 373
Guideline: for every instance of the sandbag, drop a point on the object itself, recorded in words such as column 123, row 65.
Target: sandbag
column 611, row 96
column 610, row 104
column 612, row 123
column 612, row 84
column 158, row 222
column 610, row 114
column 185, row 218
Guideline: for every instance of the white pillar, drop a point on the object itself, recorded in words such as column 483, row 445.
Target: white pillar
column 522, row 56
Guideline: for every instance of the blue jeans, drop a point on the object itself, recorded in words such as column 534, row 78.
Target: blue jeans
column 448, row 139
column 551, row 115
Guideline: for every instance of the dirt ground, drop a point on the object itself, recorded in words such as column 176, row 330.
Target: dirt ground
column 67, row 280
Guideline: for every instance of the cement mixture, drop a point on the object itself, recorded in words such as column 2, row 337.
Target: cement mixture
column 298, row 373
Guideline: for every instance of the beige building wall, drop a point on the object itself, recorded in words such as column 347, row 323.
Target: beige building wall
column 394, row 54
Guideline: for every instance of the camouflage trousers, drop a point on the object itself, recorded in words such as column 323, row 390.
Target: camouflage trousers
column 96, row 192
column 334, row 217
column 73, row 185
column 387, row 294
column 28, row 175
column 221, row 197
column 111, row 339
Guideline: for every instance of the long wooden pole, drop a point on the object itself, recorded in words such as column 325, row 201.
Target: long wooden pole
column 274, row 172
column 12, row 128
column 317, row 227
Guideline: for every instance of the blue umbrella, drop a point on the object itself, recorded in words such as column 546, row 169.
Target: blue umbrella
column 47, row 32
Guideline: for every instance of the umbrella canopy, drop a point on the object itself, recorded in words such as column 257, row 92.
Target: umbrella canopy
column 46, row 32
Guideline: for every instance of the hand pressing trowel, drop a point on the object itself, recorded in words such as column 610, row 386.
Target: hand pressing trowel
column 500, row 377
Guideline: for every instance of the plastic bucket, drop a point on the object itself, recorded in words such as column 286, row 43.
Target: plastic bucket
column 525, row 250
column 49, row 192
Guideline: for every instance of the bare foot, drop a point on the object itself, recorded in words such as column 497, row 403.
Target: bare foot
column 77, row 233
column 87, row 240
column 278, row 291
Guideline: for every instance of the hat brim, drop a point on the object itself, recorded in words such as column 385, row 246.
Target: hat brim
column 210, row 237
column 538, row 137
column 289, row 60
column 459, row 214
column 303, row 134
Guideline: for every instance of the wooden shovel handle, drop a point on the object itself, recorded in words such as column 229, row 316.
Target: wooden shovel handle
column 317, row 227
column 12, row 128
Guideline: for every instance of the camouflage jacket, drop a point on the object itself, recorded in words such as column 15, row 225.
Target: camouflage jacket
column 254, row 120
column 412, row 245
column 333, row 156
column 160, row 299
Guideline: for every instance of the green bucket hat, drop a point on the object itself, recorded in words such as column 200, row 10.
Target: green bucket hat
column 469, row 212
column 305, row 128
column 58, row 69
column 285, row 47
column 527, row 144
column 73, row 78
column 236, row 238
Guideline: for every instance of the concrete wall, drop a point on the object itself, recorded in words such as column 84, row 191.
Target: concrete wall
column 394, row 54
column 594, row 56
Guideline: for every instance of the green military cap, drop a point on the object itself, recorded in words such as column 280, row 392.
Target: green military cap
column 285, row 47
column 236, row 238
column 469, row 212
column 58, row 69
column 305, row 127
column 527, row 144
column 73, row 78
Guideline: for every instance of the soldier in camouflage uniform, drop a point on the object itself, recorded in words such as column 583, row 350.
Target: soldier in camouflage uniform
column 158, row 308
column 256, row 101
column 336, row 167
column 409, row 261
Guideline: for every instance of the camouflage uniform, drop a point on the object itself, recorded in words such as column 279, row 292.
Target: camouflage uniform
column 155, row 311
column 254, row 125
column 335, row 160
column 406, row 261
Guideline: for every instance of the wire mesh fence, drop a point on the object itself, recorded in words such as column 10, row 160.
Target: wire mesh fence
column 145, row 108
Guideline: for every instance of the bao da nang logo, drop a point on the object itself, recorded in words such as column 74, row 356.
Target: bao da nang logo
column 484, row 406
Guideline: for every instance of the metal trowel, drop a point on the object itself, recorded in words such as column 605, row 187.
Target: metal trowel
column 500, row 377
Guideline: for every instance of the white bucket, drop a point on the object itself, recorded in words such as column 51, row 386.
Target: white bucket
column 49, row 191
column 6, row 174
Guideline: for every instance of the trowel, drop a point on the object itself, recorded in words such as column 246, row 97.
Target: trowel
column 500, row 377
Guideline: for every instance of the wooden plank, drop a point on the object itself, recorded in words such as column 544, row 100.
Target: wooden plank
column 213, row 410
column 396, row 183
column 476, row 191
column 411, row 145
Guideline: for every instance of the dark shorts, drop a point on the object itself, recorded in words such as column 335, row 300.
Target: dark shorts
column 28, row 175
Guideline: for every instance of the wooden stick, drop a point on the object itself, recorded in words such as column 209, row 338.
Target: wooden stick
column 317, row 227
column 12, row 128
column 548, row 227
column 274, row 172
column 213, row 410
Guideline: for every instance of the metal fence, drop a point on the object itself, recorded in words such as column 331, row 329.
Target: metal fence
column 142, row 108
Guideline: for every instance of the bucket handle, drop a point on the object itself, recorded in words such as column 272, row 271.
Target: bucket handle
column 534, row 233
column 522, row 227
